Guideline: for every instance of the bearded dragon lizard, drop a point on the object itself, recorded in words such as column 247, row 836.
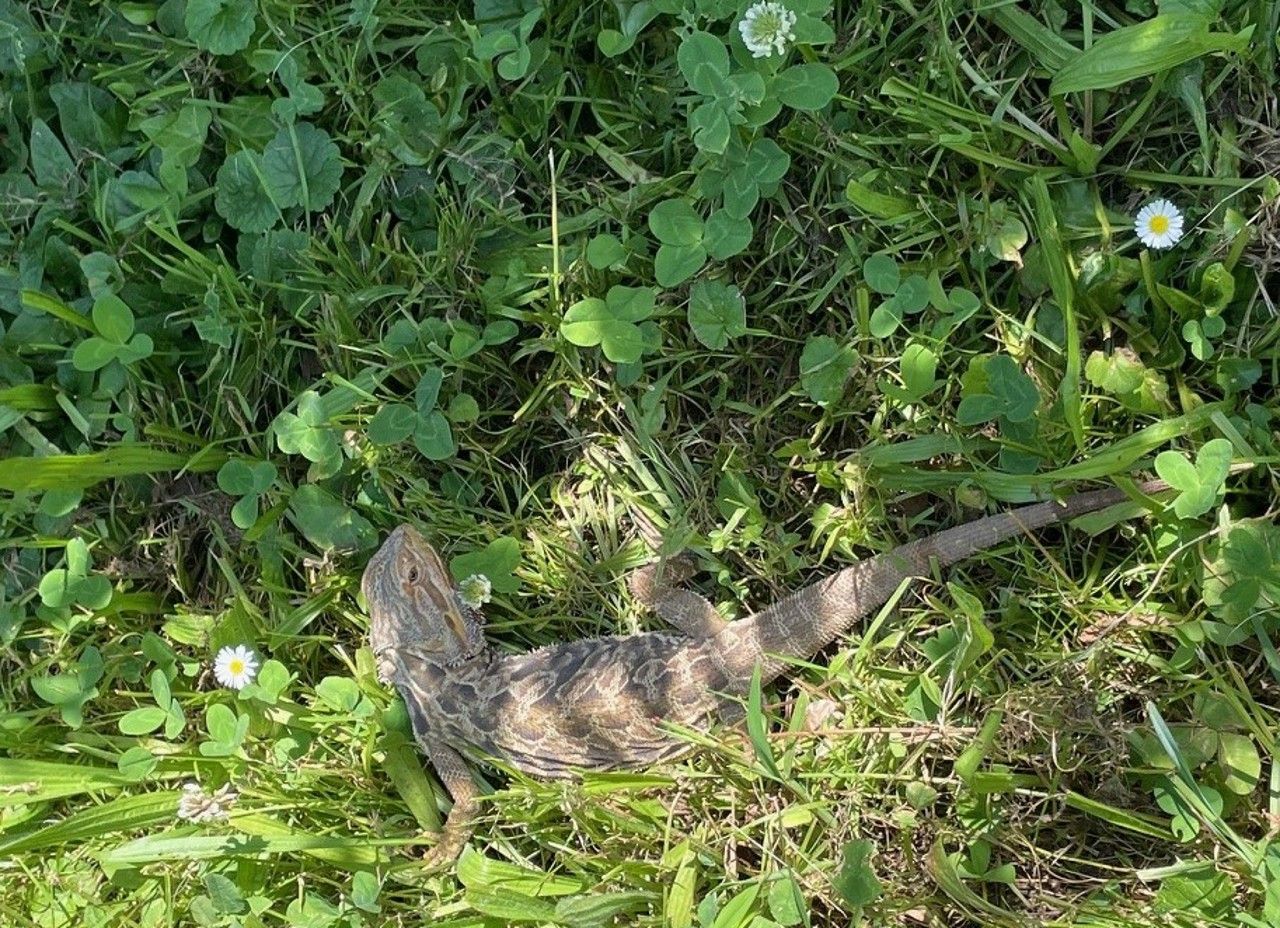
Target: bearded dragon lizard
column 608, row 703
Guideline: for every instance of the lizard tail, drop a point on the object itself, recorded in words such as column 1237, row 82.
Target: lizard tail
column 808, row 620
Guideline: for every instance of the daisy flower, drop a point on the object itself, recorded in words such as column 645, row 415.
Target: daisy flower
column 1159, row 224
column 475, row 591
column 767, row 28
column 235, row 667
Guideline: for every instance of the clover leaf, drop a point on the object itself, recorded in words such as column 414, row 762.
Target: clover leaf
column 74, row 585
column 764, row 165
column 1199, row 333
column 825, row 365
column 115, row 340
column 1199, row 483
column 611, row 322
column 248, row 480
column 1000, row 390
column 301, row 167
column 329, row 523
column 679, row 229
column 307, row 433
column 71, row 689
column 1242, row 577
column 497, row 561
column 725, row 235
column 806, row 87
column 220, row 26
column 717, row 313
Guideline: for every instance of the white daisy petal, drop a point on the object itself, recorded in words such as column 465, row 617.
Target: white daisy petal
column 235, row 667
column 1159, row 224
column 766, row 28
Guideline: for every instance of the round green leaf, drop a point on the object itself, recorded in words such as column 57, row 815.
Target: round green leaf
column 240, row 198
column 675, row 222
column 806, row 86
column 726, row 235
column 717, row 313
column 327, row 522
column 113, row 318
column 93, row 354
column 882, row 275
column 825, row 365
column 886, row 318
column 913, row 294
column 136, row 763
column 605, row 251
column 301, row 166
column 592, row 322
column 704, row 62
column 497, row 561
column 674, row 264
column 919, row 367
column 392, row 424
column 142, row 721
column 434, row 437
column 220, row 26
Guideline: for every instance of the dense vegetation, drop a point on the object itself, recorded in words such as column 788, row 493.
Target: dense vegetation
column 275, row 277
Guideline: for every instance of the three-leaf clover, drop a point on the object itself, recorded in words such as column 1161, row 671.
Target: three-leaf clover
column 1242, row 578
column 903, row 296
column 71, row 689
column 611, row 323
column 307, row 433
column 717, row 313
column 679, row 229
column 227, row 731
column 74, row 585
column 704, row 62
column 763, row 166
column 329, row 523
column 248, row 480
column 1199, row 483
column 996, row 388
column 167, row 711
column 1199, row 334
column 115, row 340
column 432, row 434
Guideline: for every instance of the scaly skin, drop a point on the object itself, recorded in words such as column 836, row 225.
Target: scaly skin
column 607, row 703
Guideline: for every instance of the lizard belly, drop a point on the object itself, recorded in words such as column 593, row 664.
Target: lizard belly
column 601, row 704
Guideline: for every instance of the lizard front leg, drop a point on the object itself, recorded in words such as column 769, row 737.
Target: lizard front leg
column 459, row 825
column 653, row 586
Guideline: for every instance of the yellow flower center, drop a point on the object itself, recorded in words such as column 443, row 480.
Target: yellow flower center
column 236, row 666
column 1159, row 224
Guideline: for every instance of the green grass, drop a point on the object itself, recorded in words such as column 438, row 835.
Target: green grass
column 277, row 277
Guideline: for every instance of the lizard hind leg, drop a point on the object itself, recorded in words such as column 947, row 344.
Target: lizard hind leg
column 654, row 587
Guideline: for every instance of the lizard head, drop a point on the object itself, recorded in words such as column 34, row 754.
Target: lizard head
column 414, row 610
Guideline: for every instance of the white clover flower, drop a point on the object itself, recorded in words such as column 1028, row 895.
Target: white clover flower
column 766, row 28
column 195, row 805
column 475, row 591
column 235, row 667
column 1159, row 224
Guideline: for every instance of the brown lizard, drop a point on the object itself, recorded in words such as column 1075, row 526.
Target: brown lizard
column 607, row 703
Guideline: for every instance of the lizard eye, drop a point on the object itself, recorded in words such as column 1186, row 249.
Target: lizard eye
column 413, row 574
